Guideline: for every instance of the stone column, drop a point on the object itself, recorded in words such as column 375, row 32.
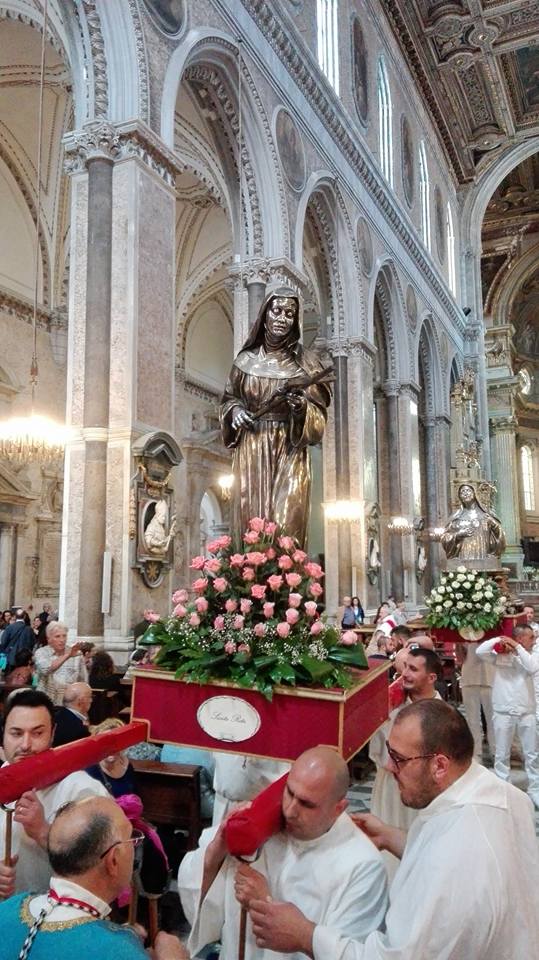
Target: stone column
column 505, row 468
column 342, row 468
column 437, row 473
column 391, row 391
column 6, row 563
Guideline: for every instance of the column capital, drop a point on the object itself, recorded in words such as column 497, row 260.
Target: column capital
column 504, row 424
column 391, row 388
column 274, row 270
column 116, row 142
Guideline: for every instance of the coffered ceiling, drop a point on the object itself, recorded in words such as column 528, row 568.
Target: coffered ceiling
column 477, row 63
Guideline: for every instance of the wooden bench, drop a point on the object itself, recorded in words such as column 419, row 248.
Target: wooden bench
column 170, row 793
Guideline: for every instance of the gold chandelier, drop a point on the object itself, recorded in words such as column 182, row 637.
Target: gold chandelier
column 35, row 438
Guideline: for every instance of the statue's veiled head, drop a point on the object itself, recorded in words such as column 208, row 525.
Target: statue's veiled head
column 467, row 495
column 278, row 324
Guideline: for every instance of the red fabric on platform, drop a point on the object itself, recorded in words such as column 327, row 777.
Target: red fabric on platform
column 38, row 772
column 247, row 830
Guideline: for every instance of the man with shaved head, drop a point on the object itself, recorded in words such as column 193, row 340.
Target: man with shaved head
column 91, row 851
column 332, row 873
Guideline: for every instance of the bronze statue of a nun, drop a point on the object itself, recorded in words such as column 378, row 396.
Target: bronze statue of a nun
column 273, row 408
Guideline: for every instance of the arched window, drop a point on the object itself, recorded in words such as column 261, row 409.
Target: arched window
column 451, row 265
column 328, row 40
column 424, row 189
column 528, row 486
column 385, row 122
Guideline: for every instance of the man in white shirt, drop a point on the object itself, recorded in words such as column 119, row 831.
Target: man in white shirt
column 476, row 677
column 530, row 619
column 421, row 670
column 513, row 702
column 319, row 859
column 28, row 730
column 468, row 882
column 58, row 665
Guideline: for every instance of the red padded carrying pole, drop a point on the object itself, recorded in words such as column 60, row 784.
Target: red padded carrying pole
column 247, row 830
column 43, row 769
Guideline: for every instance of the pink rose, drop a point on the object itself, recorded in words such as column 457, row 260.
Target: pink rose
column 271, row 553
column 275, row 581
column 316, row 590
column 286, row 543
column 201, row 604
column 200, row 585
column 260, row 629
column 230, row 646
column 292, row 616
column 285, row 562
column 244, row 648
column 314, row 570
column 238, row 622
column 250, row 537
column 256, row 523
column 194, row 620
column 180, row 596
column 236, row 560
column 180, row 610
column 270, row 527
column 258, row 590
column 231, row 606
column 283, row 629
column 293, row 579
column 197, row 563
column 349, row 638
column 316, row 627
column 219, row 622
column 213, row 565
column 268, row 609
column 245, row 605
column 294, row 599
column 310, row 608
column 248, row 574
column 222, row 543
column 299, row 556
column 220, row 584
column 255, row 558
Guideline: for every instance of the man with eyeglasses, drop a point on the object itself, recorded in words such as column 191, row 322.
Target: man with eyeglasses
column 420, row 671
column 91, row 851
column 468, row 881
column 29, row 730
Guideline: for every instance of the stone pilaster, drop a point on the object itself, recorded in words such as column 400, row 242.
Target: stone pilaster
column 505, row 468
column 121, row 351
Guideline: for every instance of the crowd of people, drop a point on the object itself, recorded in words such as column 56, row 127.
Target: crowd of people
column 328, row 884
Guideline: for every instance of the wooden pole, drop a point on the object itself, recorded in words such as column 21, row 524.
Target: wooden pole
column 243, row 932
column 8, row 835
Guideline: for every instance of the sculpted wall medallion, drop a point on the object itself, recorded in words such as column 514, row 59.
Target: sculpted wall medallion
column 291, row 152
column 360, row 71
column 439, row 223
column 407, row 160
column 364, row 244
column 167, row 14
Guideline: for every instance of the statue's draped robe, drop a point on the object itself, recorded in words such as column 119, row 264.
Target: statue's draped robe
column 473, row 534
column 272, row 475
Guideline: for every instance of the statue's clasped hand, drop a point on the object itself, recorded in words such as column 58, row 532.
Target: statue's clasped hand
column 242, row 419
column 297, row 401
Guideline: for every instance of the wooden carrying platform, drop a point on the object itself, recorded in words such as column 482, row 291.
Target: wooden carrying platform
column 297, row 718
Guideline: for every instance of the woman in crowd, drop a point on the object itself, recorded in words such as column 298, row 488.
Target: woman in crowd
column 359, row 613
column 102, row 675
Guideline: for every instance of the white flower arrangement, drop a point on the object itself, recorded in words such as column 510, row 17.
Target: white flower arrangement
column 465, row 598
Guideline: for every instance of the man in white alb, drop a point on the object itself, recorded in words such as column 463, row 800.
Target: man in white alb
column 476, row 677
column 319, row 859
column 467, row 887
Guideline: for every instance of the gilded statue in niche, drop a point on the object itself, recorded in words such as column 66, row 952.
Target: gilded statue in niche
column 274, row 407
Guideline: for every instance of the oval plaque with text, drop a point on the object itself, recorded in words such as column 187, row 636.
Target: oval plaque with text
column 228, row 718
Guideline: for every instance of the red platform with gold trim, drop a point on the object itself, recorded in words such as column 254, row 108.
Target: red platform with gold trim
column 503, row 629
column 297, row 718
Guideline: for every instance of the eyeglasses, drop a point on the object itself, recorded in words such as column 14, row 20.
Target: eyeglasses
column 399, row 761
column 136, row 839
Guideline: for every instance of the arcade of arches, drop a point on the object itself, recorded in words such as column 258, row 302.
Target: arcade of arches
column 194, row 154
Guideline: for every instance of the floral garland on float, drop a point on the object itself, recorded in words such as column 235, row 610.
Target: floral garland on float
column 468, row 602
column 251, row 618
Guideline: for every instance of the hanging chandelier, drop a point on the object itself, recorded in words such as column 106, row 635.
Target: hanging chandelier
column 343, row 511
column 401, row 526
column 35, row 438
